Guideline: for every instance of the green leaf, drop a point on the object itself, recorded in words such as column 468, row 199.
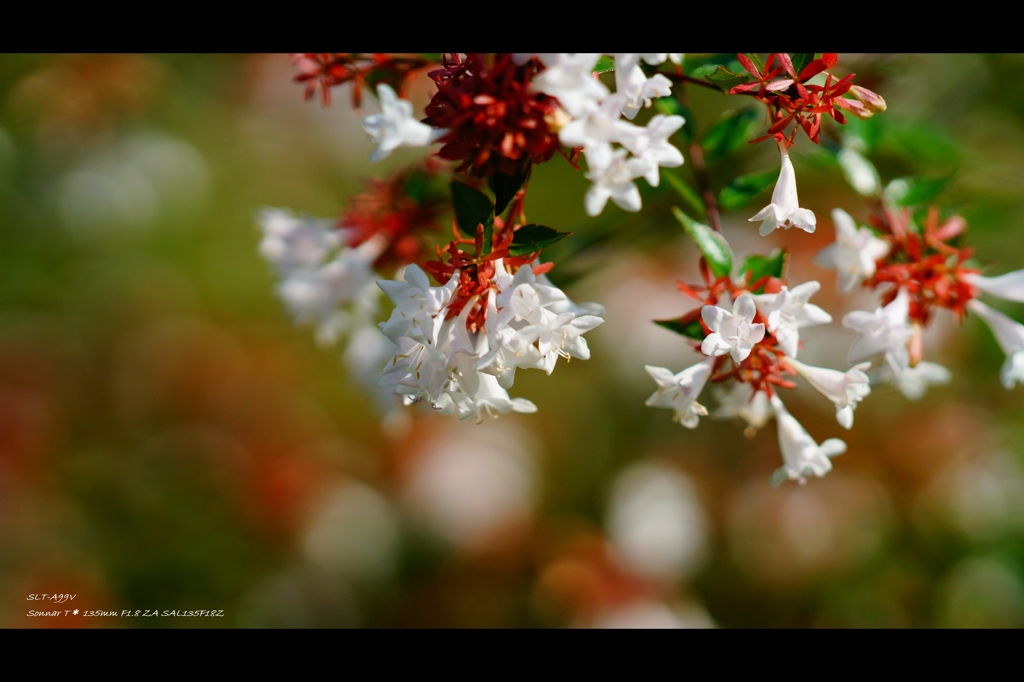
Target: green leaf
column 691, row 329
column 531, row 238
column 726, row 79
column 801, row 59
column 712, row 245
column 756, row 267
column 687, row 193
column 670, row 106
column 604, row 65
column 700, row 65
column 473, row 207
column 505, row 188
column 915, row 191
column 744, row 188
column 729, row 133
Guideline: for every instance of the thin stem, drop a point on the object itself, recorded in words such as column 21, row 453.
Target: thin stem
column 700, row 171
column 680, row 78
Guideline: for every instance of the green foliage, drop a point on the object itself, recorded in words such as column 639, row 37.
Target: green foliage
column 689, row 328
column 505, row 188
column 711, row 244
column 687, row 193
column 531, row 238
column 801, row 59
column 756, row 267
column 701, row 65
column 744, row 188
column 729, row 133
column 473, row 207
column 604, row 65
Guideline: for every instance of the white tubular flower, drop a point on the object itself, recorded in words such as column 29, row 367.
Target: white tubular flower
column 788, row 311
column 784, row 211
column 859, row 172
column 732, row 332
column 679, row 392
column 394, row 126
column 801, row 455
column 854, row 252
column 416, row 303
column 616, row 182
column 743, row 402
column 1009, row 287
column 844, row 389
column 913, row 382
column 886, row 330
column 635, row 86
column 1010, row 336
column 570, row 79
column 291, row 243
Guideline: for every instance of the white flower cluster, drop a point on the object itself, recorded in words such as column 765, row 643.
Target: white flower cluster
column 735, row 333
column 323, row 282
column 529, row 323
column 332, row 287
column 885, row 333
column 594, row 122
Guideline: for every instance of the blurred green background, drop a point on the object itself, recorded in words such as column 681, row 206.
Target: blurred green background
column 169, row 441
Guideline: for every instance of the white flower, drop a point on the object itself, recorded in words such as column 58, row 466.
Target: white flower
column 595, row 131
column 752, row 407
column 859, row 172
column 394, row 126
column 845, row 389
column 1009, row 287
column 570, row 79
column 416, row 303
column 291, row 243
column 913, row 382
column 635, row 86
column 651, row 145
column 615, row 182
column 1010, row 336
column 788, row 311
column 886, row 330
column 679, row 392
column 732, row 332
column 854, row 252
column 784, row 211
column 801, row 455
column 489, row 400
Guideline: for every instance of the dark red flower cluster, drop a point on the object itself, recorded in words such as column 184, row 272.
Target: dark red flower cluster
column 476, row 272
column 404, row 208
column 496, row 123
column 792, row 101
column 324, row 70
column 765, row 367
column 922, row 262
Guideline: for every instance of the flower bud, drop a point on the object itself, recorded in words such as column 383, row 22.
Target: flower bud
column 872, row 100
column 557, row 119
